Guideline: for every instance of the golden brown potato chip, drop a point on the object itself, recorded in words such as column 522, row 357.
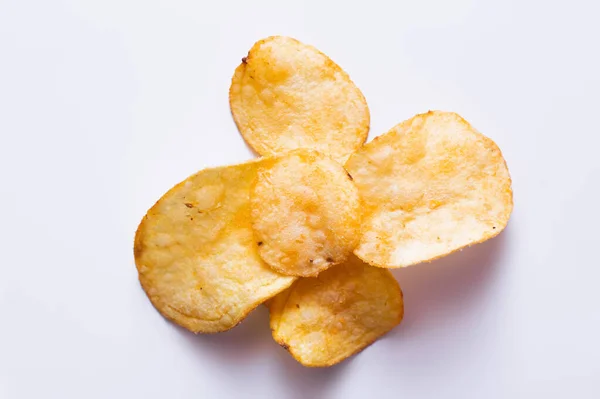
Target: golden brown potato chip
column 196, row 255
column 431, row 185
column 322, row 321
column 305, row 213
column 287, row 95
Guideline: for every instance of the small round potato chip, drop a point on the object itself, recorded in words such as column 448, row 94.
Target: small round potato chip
column 305, row 213
column 287, row 95
column 322, row 321
column 431, row 185
column 195, row 251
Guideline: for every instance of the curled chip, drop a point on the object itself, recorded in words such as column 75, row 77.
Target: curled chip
column 195, row 252
column 287, row 95
column 322, row 321
column 305, row 213
column 431, row 185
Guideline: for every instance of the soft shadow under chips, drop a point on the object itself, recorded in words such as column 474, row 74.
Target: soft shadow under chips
column 431, row 185
column 195, row 252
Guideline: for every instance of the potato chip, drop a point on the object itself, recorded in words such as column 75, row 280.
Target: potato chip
column 322, row 321
column 305, row 213
column 431, row 185
column 196, row 255
column 287, row 95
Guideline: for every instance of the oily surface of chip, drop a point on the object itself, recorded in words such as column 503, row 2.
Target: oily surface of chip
column 196, row 256
column 305, row 213
column 287, row 95
column 431, row 185
column 322, row 321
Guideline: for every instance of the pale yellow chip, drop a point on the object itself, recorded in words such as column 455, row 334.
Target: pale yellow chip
column 322, row 321
column 196, row 255
column 305, row 213
column 431, row 185
column 287, row 95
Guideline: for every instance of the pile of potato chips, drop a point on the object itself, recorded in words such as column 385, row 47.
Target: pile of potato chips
column 312, row 226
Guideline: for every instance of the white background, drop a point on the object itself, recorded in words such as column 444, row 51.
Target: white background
column 104, row 105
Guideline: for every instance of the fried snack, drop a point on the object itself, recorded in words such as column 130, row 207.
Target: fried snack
column 287, row 95
column 322, row 321
column 195, row 252
column 305, row 213
column 431, row 185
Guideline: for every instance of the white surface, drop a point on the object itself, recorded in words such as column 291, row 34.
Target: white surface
column 104, row 105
